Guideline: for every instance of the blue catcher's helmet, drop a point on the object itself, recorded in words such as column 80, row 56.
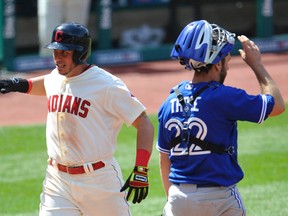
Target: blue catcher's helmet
column 72, row 36
column 201, row 43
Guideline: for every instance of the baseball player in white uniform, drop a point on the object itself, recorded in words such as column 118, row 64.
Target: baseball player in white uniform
column 87, row 107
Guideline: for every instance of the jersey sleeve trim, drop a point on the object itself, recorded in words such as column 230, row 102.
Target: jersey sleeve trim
column 165, row 151
column 264, row 109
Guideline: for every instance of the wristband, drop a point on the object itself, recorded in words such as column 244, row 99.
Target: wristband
column 142, row 157
column 29, row 85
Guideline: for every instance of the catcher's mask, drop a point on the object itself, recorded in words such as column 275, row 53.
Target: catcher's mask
column 72, row 36
column 201, row 43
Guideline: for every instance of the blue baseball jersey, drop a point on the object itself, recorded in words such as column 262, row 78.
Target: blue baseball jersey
column 212, row 117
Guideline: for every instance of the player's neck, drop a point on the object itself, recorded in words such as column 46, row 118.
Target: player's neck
column 211, row 75
column 201, row 78
column 79, row 69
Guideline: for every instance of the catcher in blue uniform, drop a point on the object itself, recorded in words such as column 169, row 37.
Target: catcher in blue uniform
column 198, row 123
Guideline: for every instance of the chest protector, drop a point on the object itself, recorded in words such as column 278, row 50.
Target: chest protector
column 185, row 135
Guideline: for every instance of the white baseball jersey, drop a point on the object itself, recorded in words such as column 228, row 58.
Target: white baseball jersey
column 85, row 115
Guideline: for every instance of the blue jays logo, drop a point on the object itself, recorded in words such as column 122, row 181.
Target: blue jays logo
column 195, row 123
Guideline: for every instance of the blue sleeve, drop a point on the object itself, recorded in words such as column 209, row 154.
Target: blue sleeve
column 236, row 105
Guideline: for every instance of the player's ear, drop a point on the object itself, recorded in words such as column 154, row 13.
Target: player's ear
column 218, row 66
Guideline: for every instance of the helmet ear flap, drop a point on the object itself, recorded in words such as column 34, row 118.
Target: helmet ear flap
column 79, row 57
column 83, row 56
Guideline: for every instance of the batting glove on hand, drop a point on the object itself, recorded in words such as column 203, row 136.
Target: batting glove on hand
column 5, row 86
column 137, row 183
column 13, row 85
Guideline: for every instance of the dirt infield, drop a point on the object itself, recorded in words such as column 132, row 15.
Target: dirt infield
column 150, row 82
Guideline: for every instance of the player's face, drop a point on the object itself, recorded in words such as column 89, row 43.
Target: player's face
column 224, row 68
column 63, row 60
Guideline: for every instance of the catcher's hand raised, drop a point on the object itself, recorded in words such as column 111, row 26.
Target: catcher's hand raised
column 137, row 183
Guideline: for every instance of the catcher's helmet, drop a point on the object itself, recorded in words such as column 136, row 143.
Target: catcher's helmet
column 72, row 36
column 201, row 43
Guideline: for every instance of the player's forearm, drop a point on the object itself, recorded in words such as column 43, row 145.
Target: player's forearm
column 38, row 86
column 165, row 182
column 145, row 138
column 145, row 132
column 164, row 164
column 144, row 145
column 268, row 86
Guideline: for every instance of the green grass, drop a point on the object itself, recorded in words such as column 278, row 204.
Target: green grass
column 263, row 155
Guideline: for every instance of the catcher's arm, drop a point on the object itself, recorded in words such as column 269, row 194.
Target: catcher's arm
column 250, row 53
column 164, row 164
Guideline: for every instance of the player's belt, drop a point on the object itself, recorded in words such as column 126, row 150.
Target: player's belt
column 199, row 186
column 74, row 170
